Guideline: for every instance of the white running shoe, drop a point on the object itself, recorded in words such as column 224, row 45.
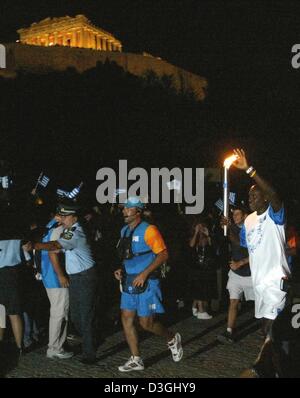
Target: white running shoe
column 180, row 304
column 195, row 311
column 203, row 315
column 132, row 364
column 60, row 355
column 176, row 348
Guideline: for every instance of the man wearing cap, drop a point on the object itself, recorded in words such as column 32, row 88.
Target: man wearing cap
column 80, row 266
column 56, row 283
column 144, row 252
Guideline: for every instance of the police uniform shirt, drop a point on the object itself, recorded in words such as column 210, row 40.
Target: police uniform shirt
column 10, row 253
column 77, row 250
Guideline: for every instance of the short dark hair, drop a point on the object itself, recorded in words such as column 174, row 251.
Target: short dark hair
column 242, row 208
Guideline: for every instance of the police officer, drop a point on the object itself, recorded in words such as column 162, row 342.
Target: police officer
column 143, row 250
column 56, row 283
column 80, row 266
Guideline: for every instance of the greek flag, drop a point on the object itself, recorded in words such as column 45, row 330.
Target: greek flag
column 174, row 185
column 5, row 182
column 62, row 193
column 75, row 191
column 219, row 204
column 118, row 192
column 232, row 196
column 44, row 181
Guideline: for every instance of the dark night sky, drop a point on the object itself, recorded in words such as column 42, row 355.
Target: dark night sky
column 242, row 47
column 204, row 36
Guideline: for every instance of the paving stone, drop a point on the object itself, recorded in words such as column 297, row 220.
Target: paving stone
column 203, row 356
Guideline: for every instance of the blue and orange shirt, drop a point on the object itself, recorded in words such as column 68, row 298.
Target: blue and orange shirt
column 146, row 238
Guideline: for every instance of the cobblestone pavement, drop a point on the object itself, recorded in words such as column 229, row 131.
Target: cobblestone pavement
column 203, row 356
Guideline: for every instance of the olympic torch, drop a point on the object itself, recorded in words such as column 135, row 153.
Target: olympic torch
column 227, row 163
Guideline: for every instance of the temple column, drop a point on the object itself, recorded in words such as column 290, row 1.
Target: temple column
column 99, row 47
column 47, row 40
column 38, row 41
column 109, row 45
column 80, row 40
column 55, row 38
column 64, row 39
column 85, row 38
column 104, row 46
column 90, row 43
column 93, row 40
column 74, row 41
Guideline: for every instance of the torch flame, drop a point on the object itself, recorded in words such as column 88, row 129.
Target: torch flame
column 228, row 161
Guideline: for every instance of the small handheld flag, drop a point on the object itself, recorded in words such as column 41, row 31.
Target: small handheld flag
column 5, row 182
column 232, row 196
column 44, row 181
column 119, row 191
column 174, row 185
column 220, row 205
column 75, row 191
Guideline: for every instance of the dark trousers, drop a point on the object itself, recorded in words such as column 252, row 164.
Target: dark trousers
column 83, row 290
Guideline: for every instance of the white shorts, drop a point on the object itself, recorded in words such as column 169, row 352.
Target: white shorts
column 239, row 285
column 269, row 301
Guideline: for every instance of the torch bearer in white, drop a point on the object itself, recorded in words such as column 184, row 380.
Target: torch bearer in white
column 227, row 163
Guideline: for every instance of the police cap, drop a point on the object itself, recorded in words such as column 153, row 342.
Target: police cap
column 66, row 208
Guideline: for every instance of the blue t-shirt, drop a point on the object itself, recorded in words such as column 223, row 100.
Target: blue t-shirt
column 10, row 253
column 49, row 276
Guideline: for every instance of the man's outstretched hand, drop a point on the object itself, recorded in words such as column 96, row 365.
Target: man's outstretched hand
column 241, row 162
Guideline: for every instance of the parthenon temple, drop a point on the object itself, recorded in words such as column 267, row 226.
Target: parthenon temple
column 71, row 32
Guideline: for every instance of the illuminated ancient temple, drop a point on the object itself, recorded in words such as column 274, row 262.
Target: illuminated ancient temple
column 71, row 32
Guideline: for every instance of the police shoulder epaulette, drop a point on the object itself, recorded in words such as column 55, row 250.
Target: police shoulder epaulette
column 67, row 234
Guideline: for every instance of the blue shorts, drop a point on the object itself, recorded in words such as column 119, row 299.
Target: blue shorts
column 145, row 304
